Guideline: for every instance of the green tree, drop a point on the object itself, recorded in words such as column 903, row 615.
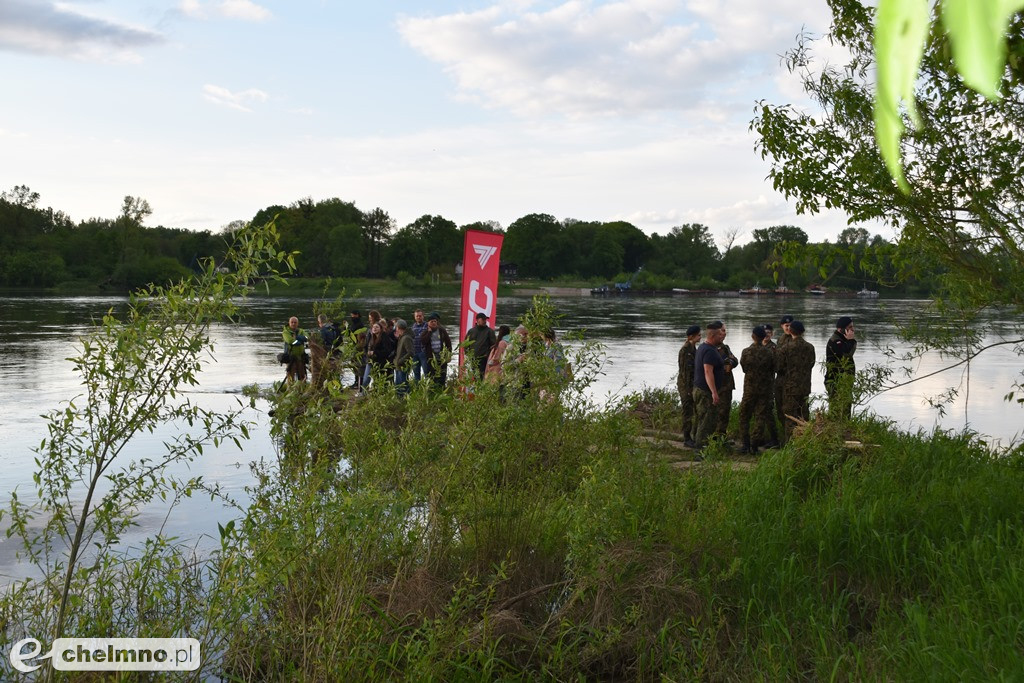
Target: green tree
column 377, row 229
column 965, row 216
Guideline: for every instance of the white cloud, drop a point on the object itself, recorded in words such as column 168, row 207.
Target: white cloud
column 243, row 9
column 55, row 29
column 625, row 56
column 234, row 100
column 229, row 9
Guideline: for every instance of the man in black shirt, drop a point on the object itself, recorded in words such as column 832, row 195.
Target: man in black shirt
column 708, row 376
column 840, row 368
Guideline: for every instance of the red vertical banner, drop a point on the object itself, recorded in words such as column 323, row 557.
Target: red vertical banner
column 481, row 258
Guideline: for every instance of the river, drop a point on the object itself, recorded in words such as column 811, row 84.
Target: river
column 641, row 336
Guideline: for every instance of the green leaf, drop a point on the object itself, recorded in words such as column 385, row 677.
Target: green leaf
column 900, row 31
column 977, row 30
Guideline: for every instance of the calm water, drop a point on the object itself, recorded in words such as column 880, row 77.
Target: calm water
column 642, row 338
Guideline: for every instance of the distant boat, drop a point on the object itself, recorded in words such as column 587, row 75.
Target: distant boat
column 783, row 290
column 756, row 290
column 816, row 290
column 866, row 293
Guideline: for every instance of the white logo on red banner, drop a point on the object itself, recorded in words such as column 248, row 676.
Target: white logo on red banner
column 484, row 253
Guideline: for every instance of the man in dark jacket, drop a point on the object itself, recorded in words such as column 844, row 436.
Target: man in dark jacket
column 795, row 362
column 482, row 341
column 758, row 363
column 840, row 368
column 437, row 345
column 403, row 356
column 684, row 381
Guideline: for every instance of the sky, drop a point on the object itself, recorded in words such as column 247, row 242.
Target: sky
column 475, row 110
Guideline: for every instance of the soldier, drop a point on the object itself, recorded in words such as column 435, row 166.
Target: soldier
column 708, row 375
column 784, row 339
column 794, row 362
column 840, row 368
column 725, row 390
column 758, row 363
column 684, row 381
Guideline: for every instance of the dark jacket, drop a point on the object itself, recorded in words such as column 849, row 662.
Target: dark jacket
column 446, row 342
column 381, row 352
column 839, row 355
column 403, row 350
column 482, row 339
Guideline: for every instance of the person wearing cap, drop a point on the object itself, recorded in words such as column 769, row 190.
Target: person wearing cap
column 438, row 347
column 481, row 339
column 708, row 375
column 795, row 362
column 784, row 339
column 684, row 381
column 840, row 368
column 404, row 357
column 758, row 363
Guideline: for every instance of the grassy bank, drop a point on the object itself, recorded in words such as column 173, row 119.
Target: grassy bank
column 481, row 539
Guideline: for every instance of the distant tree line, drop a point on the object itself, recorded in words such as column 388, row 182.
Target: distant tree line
column 41, row 248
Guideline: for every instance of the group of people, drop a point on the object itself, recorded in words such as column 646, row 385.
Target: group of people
column 402, row 353
column 776, row 381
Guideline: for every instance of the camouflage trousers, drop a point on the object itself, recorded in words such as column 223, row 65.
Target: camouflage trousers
column 686, row 399
column 758, row 407
column 724, row 411
column 705, row 416
column 796, row 405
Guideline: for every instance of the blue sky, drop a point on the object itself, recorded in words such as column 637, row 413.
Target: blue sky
column 631, row 110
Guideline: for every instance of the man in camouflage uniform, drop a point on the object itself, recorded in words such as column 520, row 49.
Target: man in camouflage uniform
column 684, row 381
column 725, row 391
column 795, row 362
column 784, row 339
column 758, row 363
column 708, row 374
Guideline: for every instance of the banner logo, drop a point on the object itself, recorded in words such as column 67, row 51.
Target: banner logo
column 484, row 253
column 110, row 654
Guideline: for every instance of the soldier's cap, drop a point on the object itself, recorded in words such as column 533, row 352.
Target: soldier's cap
column 786, row 319
column 692, row 330
column 768, row 327
column 844, row 322
column 434, row 315
column 796, row 327
column 759, row 332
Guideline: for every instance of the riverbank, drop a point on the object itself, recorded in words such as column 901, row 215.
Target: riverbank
column 521, row 540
